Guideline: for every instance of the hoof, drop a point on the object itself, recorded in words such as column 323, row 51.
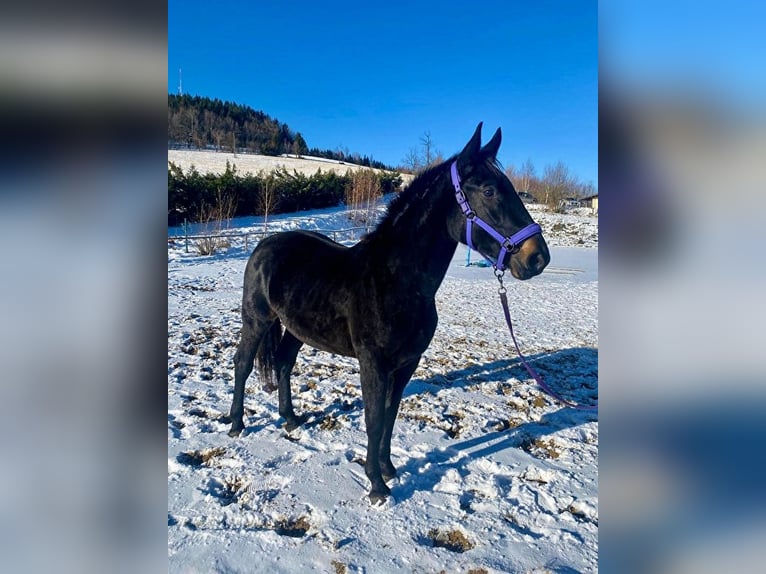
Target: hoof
column 388, row 474
column 380, row 495
column 293, row 423
column 236, row 431
column 378, row 499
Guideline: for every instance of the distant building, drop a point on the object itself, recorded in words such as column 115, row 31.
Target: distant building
column 591, row 201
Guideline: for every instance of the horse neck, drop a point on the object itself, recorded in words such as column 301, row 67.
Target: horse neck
column 413, row 238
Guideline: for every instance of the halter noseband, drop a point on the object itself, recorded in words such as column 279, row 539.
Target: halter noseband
column 507, row 244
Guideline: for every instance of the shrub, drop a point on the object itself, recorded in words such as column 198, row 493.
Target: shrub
column 190, row 193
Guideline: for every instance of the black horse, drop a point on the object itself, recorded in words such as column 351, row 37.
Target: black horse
column 375, row 300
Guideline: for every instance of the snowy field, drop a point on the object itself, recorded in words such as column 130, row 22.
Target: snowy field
column 493, row 475
column 215, row 162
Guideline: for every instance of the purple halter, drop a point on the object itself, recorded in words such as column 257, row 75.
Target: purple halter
column 507, row 244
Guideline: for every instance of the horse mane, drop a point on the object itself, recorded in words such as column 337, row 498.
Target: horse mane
column 399, row 204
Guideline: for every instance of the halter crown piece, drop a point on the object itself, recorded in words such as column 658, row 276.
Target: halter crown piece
column 507, row 244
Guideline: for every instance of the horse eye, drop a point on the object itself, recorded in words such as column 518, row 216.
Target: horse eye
column 489, row 192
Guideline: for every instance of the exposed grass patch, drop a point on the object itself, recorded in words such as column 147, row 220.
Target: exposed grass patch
column 452, row 540
column 414, row 409
column 330, row 423
column 192, row 287
column 538, row 402
column 541, row 448
column 200, row 457
column 507, row 424
column 231, row 489
column 340, row 567
column 295, row 528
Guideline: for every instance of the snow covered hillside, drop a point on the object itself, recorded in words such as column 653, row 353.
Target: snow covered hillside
column 215, row 162
column 493, row 475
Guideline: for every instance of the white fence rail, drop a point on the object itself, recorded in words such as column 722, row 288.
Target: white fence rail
column 340, row 235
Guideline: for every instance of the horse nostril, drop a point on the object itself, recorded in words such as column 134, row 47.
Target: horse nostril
column 537, row 262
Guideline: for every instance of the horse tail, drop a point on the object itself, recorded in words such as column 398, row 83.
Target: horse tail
column 265, row 358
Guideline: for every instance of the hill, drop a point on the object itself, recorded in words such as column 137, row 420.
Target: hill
column 202, row 123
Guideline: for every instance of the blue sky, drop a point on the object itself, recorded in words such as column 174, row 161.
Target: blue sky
column 373, row 77
column 698, row 48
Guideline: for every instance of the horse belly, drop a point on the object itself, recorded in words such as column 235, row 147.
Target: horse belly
column 317, row 317
column 305, row 278
column 326, row 335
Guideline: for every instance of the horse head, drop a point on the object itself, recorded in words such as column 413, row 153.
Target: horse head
column 489, row 216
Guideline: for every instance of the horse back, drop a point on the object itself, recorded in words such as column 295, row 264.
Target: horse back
column 305, row 279
column 336, row 298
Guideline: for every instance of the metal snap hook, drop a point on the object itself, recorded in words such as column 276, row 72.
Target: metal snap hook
column 499, row 275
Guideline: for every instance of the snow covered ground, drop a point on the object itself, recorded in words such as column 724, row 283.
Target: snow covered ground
column 215, row 162
column 493, row 475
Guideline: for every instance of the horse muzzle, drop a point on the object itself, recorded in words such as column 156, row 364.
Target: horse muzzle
column 531, row 258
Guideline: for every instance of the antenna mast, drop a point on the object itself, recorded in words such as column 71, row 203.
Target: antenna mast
column 180, row 82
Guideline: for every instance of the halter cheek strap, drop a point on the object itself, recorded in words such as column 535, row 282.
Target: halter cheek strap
column 507, row 244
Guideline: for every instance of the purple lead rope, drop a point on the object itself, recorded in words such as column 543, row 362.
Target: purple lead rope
column 538, row 379
column 507, row 244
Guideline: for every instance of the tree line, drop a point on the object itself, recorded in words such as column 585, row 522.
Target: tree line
column 556, row 185
column 553, row 188
column 196, row 122
column 198, row 197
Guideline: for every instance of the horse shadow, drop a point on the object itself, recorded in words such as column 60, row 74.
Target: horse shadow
column 572, row 372
column 414, row 477
column 583, row 361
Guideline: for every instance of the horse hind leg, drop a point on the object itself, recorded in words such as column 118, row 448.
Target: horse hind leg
column 250, row 340
column 284, row 361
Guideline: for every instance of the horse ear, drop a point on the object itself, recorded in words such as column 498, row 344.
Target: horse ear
column 490, row 150
column 473, row 147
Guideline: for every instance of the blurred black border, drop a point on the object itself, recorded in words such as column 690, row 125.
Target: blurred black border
column 119, row 122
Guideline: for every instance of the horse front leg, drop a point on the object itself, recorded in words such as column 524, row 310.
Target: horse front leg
column 393, row 398
column 375, row 382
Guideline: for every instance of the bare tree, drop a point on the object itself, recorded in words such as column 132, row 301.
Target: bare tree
column 267, row 199
column 213, row 218
column 586, row 190
column 557, row 184
column 526, row 175
column 411, row 161
column 511, row 173
column 208, row 122
column 218, row 137
column 418, row 159
column 191, row 127
column 342, row 152
column 427, row 143
column 362, row 195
